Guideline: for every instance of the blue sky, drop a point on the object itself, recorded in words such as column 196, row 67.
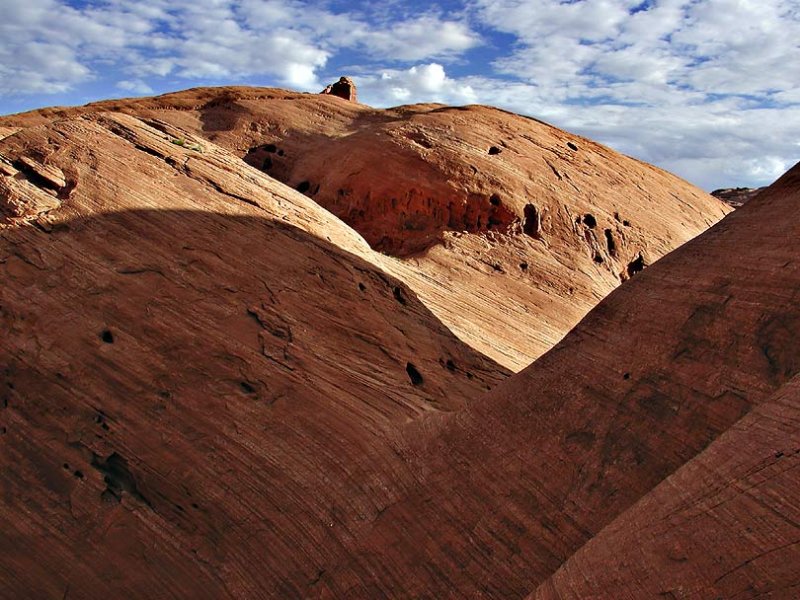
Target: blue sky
column 708, row 89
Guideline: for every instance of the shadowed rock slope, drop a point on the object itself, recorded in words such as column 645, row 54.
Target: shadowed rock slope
column 509, row 230
column 196, row 366
column 212, row 388
column 507, row 489
column 727, row 524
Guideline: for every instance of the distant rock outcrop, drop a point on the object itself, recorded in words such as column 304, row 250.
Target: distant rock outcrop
column 736, row 197
column 344, row 88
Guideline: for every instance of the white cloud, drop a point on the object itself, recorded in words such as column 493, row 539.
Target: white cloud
column 417, row 39
column 137, row 86
column 203, row 39
column 420, row 83
column 424, row 36
column 708, row 88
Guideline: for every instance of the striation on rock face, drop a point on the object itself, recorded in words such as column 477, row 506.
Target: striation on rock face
column 212, row 387
column 344, row 88
column 183, row 387
column 509, row 488
column 726, row 525
column 508, row 230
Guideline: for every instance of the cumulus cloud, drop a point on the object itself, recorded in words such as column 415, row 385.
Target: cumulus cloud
column 420, row 83
column 137, row 86
column 706, row 88
column 55, row 46
column 424, row 36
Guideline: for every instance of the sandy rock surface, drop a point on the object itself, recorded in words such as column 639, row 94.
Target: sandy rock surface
column 217, row 382
column 508, row 229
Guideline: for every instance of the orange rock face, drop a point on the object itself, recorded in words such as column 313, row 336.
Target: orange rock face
column 459, row 201
column 509, row 488
column 214, row 387
column 183, row 380
column 725, row 525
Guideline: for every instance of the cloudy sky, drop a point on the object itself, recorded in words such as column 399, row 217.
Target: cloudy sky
column 708, row 89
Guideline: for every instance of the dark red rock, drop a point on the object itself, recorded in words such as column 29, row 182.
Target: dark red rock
column 211, row 387
column 344, row 88
column 507, row 490
column 736, row 197
column 725, row 525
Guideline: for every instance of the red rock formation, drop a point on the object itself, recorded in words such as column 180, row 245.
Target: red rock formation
column 183, row 387
column 726, row 525
column 212, row 388
column 344, row 88
column 549, row 222
column 512, row 486
column 736, row 197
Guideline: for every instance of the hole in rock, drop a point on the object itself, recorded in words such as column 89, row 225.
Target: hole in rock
column 413, row 374
column 494, row 150
column 247, row 388
column 78, row 474
column 451, row 366
column 636, row 265
column 303, row 187
column 107, row 336
column 589, row 221
column 611, row 243
column 532, row 222
column 598, row 258
column 523, row 266
column 281, row 152
column 626, row 223
column 494, row 200
column 118, row 478
column 100, row 419
column 626, row 376
column 362, row 287
column 271, row 148
column 571, row 146
column 399, row 296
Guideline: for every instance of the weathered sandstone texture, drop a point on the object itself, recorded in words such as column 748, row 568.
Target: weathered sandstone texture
column 508, row 229
column 213, row 385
